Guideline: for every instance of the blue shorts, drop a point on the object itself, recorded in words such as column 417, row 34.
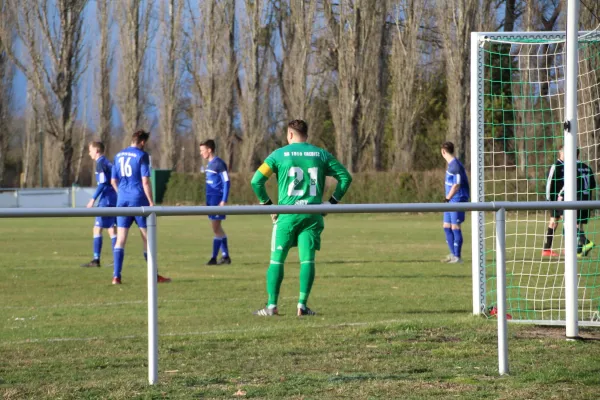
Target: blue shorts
column 454, row 217
column 126, row 222
column 105, row 222
column 214, row 201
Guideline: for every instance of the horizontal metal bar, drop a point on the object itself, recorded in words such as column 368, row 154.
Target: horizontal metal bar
column 303, row 209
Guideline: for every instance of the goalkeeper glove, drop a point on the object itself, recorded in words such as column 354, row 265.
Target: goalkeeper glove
column 273, row 216
column 446, row 200
column 331, row 200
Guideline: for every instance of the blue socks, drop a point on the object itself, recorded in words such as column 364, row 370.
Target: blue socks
column 224, row 248
column 449, row 239
column 97, row 247
column 145, row 256
column 458, row 242
column 454, row 239
column 118, row 255
column 216, row 246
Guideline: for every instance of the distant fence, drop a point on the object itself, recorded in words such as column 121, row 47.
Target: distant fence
column 70, row 197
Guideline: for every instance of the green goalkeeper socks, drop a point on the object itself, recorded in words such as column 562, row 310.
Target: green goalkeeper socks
column 307, row 277
column 274, row 279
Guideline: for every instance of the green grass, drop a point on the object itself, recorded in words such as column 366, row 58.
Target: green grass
column 393, row 322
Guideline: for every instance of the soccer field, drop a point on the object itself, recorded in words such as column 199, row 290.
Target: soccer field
column 393, row 322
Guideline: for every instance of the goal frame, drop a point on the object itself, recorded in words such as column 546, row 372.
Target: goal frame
column 477, row 166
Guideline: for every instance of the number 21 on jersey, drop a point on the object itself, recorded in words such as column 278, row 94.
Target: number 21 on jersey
column 298, row 174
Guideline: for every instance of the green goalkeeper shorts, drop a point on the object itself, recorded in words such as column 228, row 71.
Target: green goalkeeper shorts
column 292, row 230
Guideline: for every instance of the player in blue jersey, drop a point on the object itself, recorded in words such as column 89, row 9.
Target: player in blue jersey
column 457, row 191
column 131, row 180
column 106, row 196
column 217, row 193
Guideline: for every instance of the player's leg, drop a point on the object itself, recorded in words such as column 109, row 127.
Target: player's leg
column 552, row 225
column 123, row 225
column 281, row 242
column 225, row 259
column 219, row 235
column 96, row 244
column 584, row 245
column 309, row 241
column 141, row 223
column 456, row 219
column 449, row 236
column 112, row 231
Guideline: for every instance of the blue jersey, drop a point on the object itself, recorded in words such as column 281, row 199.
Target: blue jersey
column 456, row 175
column 217, row 181
column 105, row 193
column 131, row 164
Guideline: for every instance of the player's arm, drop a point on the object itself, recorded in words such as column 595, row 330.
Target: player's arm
column 455, row 171
column 226, row 183
column 259, row 181
column 550, row 184
column 146, row 184
column 593, row 185
column 336, row 170
column 103, row 184
column 114, row 178
column 453, row 189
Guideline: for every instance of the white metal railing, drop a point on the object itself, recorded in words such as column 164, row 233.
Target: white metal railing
column 499, row 208
column 74, row 196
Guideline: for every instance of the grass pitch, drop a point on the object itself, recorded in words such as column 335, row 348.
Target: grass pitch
column 392, row 321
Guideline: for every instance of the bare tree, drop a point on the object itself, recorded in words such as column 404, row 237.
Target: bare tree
column 211, row 63
column 457, row 19
column 134, row 20
column 31, row 133
column 295, row 25
column 105, row 58
column 356, row 47
column 6, row 94
column 52, row 34
column 407, row 87
column 170, row 80
column 253, row 96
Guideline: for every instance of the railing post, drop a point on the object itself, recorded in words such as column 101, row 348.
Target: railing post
column 501, row 291
column 152, row 301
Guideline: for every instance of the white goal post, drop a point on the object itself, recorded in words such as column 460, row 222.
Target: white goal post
column 524, row 104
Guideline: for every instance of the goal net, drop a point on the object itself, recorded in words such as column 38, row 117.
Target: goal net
column 517, row 130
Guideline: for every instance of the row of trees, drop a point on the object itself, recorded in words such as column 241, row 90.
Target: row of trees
column 382, row 82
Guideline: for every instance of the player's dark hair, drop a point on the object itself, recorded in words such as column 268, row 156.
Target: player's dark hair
column 299, row 126
column 140, row 136
column 98, row 146
column 449, row 147
column 210, row 144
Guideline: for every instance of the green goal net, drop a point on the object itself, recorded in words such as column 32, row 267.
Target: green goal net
column 520, row 96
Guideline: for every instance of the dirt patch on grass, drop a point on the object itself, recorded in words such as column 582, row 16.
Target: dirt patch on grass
column 554, row 332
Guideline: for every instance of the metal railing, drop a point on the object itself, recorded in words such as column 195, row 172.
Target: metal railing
column 500, row 209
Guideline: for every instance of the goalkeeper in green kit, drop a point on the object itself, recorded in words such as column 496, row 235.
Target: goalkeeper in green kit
column 301, row 169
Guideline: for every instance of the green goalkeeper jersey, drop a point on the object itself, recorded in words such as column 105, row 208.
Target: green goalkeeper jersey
column 301, row 169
